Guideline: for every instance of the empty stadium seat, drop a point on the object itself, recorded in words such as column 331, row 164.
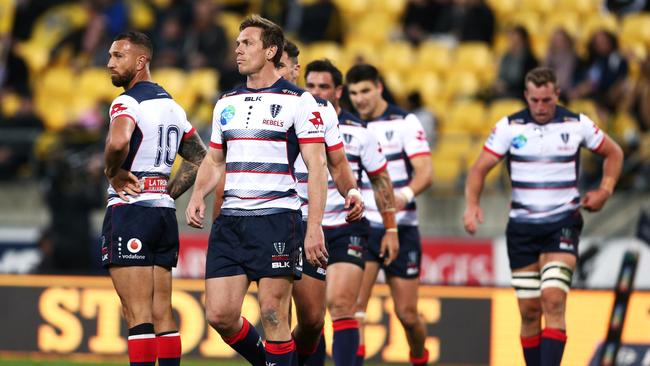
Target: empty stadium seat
column 204, row 83
column 141, row 16
column 433, row 56
column 96, row 83
column 467, row 117
column 397, row 56
column 460, row 84
column 474, row 57
column 320, row 50
column 501, row 108
column 175, row 82
column 586, row 107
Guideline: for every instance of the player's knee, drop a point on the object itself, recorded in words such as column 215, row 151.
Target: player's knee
column 341, row 307
column 222, row 321
column 161, row 313
column 531, row 314
column 407, row 315
column 553, row 303
column 312, row 320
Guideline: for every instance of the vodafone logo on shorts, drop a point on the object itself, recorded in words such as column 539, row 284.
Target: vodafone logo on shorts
column 134, row 245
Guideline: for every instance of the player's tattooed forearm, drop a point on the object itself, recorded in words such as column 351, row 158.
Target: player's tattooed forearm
column 183, row 179
column 193, row 149
column 383, row 189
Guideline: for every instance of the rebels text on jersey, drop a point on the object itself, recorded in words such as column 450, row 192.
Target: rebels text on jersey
column 259, row 131
column 160, row 127
column 332, row 142
column 402, row 138
column 543, row 162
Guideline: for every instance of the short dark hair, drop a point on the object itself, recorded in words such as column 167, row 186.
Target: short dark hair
column 362, row 72
column 292, row 50
column 137, row 38
column 272, row 34
column 540, row 76
column 325, row 65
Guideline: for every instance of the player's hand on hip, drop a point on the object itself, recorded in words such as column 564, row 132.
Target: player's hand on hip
column 195, row 212
column 471, row 215
column 389, row 247
column 125, row 183
column 354, row 202
column 595, row 200
column 315, row 251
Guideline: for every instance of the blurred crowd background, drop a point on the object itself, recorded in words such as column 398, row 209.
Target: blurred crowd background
column 458, row 64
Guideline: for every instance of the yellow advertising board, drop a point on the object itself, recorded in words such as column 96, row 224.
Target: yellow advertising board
column 469, row 326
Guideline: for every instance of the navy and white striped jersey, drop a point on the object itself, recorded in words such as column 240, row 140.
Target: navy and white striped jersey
column 160, row 127
column 259, row 131
column 332, row 142
column 402, row 138
column 364, row 156
column 543, row 161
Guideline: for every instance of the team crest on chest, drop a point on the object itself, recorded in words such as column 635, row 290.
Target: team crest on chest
column 565, row 137
column 347, row 138
column 389, row 135
column 275, row 110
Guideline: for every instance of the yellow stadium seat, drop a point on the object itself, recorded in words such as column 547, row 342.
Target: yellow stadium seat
column 175, row 82
column 96, row 83
column 433, row 56
column 503, row 8
column 635, row 29
column 583, row 7
column 475, row 57
column 527, row 19
column 320, row 50
column 367, row 27
column 393, row 8
column 7, row 15
column 501, row 108
column 395, row 83
column 359, row 49
column 141, row 16
column 58, row 80
column 446, row 171
column 460, row 84
column 352, row 7
column 230, row 22
column 466, row 117
column 10, row 104
column 537, row 6
column 586, row 107
column 204, row 82
column 397, row 56
column 569, row 21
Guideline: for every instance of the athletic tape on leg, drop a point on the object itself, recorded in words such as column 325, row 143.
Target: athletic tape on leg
column 526, row 284
column 558, row 275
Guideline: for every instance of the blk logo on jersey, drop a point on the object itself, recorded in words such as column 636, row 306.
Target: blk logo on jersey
column 253, row 99
column 275, row 109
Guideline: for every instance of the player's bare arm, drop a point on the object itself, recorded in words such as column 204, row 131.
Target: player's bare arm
column 473, row 189
column 116, row 151
column 212, row 168
column 342, row 176
column 382, row 187
column 595, row 200
column 422, row 179
column 314, row 156
column 192, row 151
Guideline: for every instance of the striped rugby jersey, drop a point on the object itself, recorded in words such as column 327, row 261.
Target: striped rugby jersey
column 543, row 161
column 401, row 137
column 160, row 127
column 332, row 142
column 259, row 130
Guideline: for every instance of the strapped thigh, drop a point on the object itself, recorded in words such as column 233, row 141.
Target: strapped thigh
column 557, row 274
column 526, row 284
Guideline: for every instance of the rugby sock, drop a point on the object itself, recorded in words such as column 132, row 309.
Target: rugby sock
column 311, row 355
column 281, row 353
column 345, row 341
column 552, row 346
column 318, row 358
column 361, row 354
column 142, row 345
column 420, row 361
column 169, row 348
column 530, row 345
column 248, row 343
